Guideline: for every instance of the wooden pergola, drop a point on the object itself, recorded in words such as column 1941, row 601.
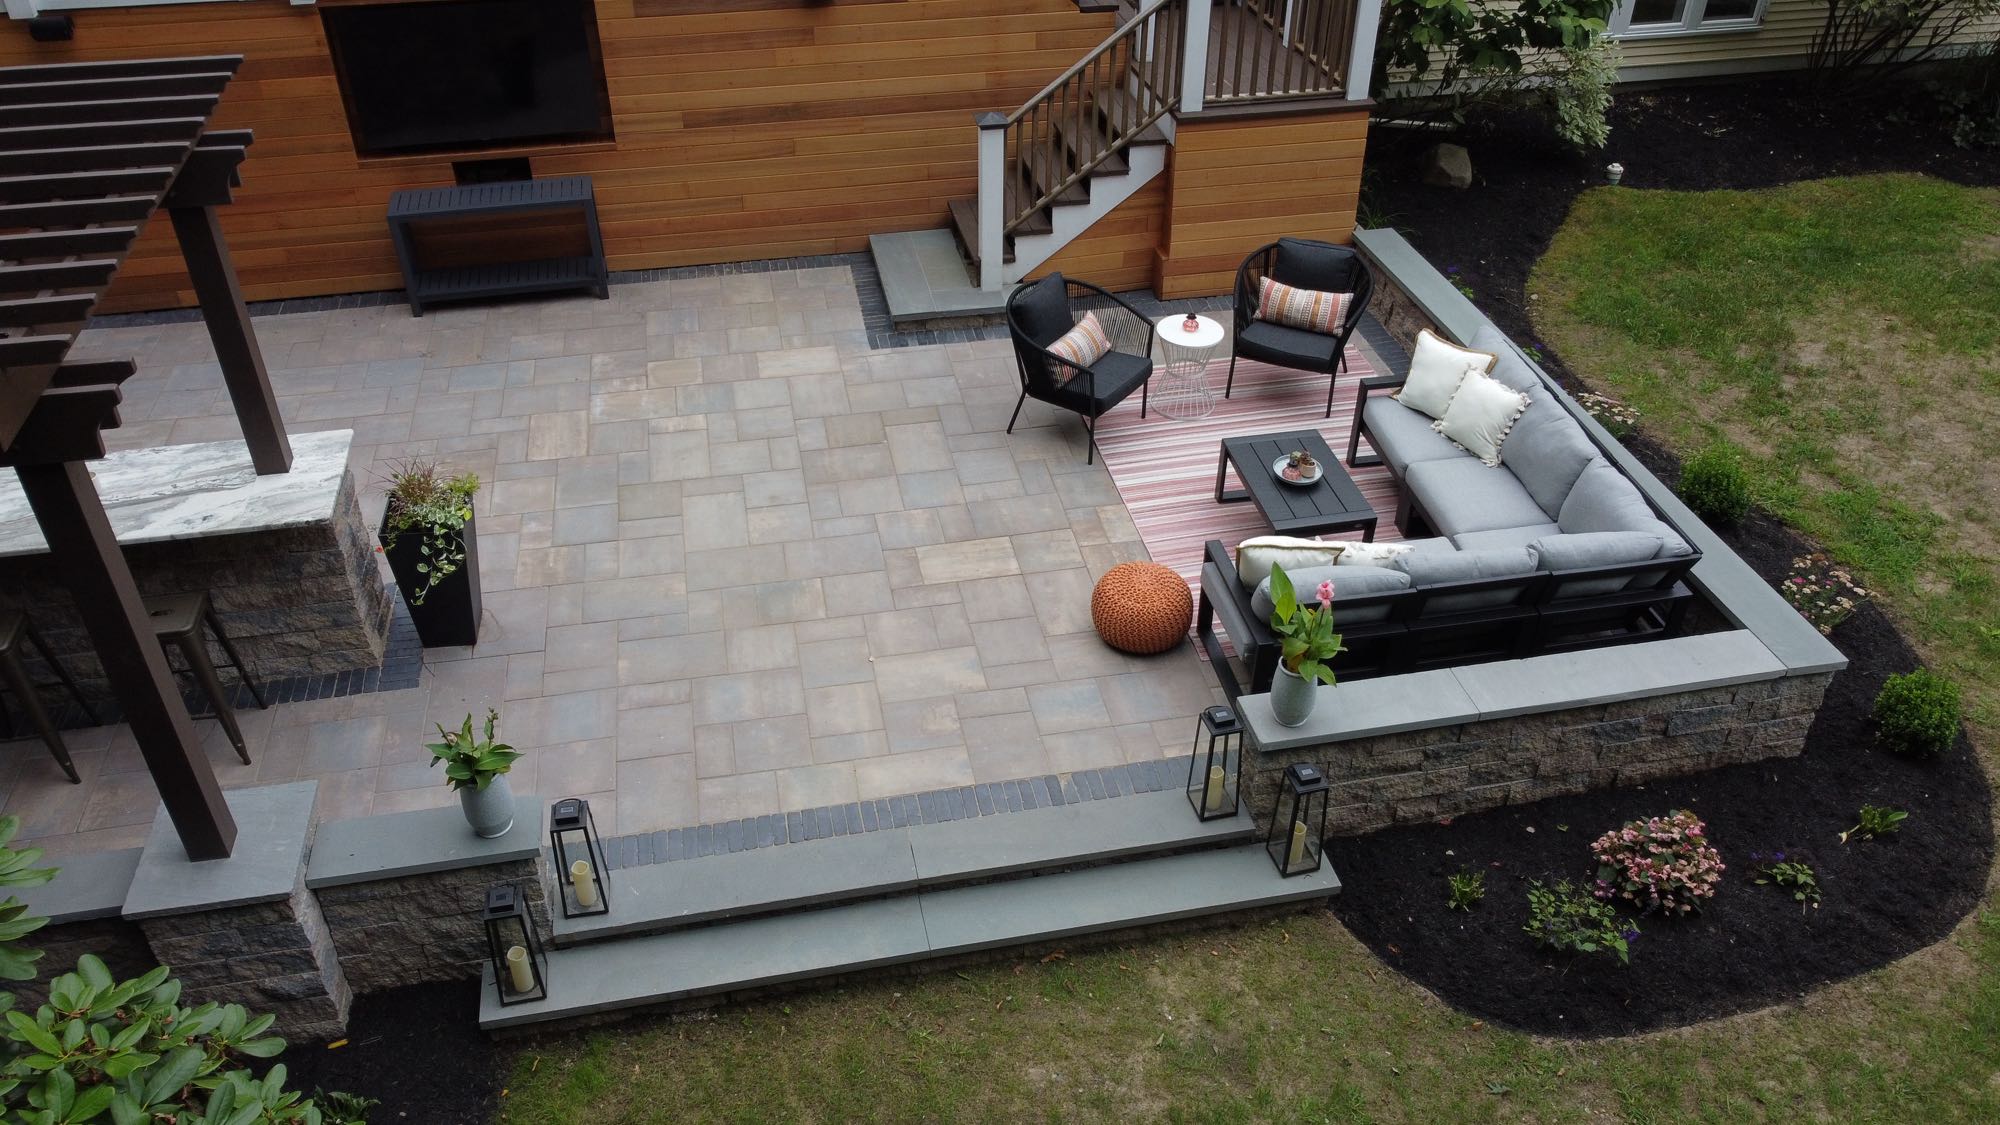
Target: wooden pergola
column 88, row 152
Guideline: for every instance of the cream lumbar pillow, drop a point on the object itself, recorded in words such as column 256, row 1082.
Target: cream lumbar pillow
column 1436, row 369
column 1373, row 554
column 1480, row 416
column 1255, row 556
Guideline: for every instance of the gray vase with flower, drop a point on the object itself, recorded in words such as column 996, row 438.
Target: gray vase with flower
column 477, row 768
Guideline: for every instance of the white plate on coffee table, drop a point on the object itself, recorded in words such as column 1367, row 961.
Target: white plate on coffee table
column 1279, row 466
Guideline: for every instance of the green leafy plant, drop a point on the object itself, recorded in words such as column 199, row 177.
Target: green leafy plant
column 1793, row 875
column 437, row 507
column 341, row 1108
column 1579, row 93
column 469, row 762
column 126, row 1052
column 1571, row 919
column 1466, row 890
column 1715, row 484
column 1918, row 713
column 1446, row 43
column 1307, row 640
column 1877, row 821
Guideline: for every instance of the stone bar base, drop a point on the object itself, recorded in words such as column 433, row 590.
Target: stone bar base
column 288, row 561
column 1451, row 770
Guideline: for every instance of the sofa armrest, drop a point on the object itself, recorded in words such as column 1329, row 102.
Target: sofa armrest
column 1371, row 383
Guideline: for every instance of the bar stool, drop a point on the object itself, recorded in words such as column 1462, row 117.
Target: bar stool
column 177, row 621
column 15, row 635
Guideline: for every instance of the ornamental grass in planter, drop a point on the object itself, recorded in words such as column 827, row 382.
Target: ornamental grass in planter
column 432, row 545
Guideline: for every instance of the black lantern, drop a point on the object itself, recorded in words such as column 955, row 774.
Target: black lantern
column 1298, row 823
column 1212, row 773
column 520, row 968
column 581, row 876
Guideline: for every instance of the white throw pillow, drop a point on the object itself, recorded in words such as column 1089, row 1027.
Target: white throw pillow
column 1254, row 556
column 1480, row 416
column 1373, row 554
column 1437, row 366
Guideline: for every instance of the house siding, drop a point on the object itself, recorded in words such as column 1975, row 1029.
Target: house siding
column 744, row 129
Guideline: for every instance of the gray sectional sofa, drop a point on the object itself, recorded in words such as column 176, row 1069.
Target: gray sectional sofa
column 1552, row 549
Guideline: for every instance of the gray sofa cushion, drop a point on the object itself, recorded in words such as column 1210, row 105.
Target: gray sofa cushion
column 1435, row 545
column 1547, row 451
column 1671, row 544
column 1348, row 582
column 1510, row 368
column 1603, row 500
column 1591, row 549
column 1504, row 537
column 1463, row 495
column 1403, row 436
column 1465, row 566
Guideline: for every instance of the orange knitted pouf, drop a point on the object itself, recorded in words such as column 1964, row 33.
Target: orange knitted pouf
column 1141, row 607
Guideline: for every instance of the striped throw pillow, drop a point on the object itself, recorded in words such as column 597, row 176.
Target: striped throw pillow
column 1309, row 309
column 1083, row 345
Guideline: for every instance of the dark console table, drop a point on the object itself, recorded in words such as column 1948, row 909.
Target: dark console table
column 518, row 197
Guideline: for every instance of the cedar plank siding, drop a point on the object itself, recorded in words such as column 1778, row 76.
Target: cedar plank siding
column 745, row 129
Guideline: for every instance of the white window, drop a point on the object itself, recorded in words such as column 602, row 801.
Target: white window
column 1641, row 19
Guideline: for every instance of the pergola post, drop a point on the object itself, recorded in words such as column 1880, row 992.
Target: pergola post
column 228, row 320
column 85, row 550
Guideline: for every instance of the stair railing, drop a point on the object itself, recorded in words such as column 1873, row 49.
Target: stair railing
column 1089, row 114
column 1266, row 50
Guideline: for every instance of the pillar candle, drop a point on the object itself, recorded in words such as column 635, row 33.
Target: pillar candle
column 1296, row 857
column 1212, row 796
column 519, row 973
column 584, row 880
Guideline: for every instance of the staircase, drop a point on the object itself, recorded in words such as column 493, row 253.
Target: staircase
column 1104, row 128
column 724, row 924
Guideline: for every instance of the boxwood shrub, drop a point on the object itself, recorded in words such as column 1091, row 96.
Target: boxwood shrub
column 1917, row 713
column 1715, row 484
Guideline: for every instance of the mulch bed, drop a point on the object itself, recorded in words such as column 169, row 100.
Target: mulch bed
column 1751, row 946
column 418, row 1050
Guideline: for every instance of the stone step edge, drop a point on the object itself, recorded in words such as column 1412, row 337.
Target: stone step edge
column 815, row 874
column 758, row 953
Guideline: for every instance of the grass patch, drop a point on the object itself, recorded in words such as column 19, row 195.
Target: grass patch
column 1843, row 333
column 1290, row 1020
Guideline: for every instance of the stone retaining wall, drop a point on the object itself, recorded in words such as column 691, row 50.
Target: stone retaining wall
column 118, row 943
column 275, row 957
column 421, row 928
column 1466, row 767
column 1400, row 315
column 296, row 601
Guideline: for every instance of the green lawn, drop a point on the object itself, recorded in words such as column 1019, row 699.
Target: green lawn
column 1844, row 333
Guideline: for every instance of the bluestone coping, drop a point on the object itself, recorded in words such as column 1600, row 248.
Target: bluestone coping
column 273, row 825
column 92, row 885
column 636, row 971
column 607, row 976
column 659, row 897
column 1505, row 688
column 960, row 850
column 394, row 845
column 761, row 880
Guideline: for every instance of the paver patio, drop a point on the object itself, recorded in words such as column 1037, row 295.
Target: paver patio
column 735, row 560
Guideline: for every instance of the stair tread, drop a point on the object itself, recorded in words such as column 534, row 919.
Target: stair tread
column 790, row 947
column 1150, row 135
column 661, row 896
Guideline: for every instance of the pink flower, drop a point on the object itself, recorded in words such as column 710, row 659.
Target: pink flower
column 1326, row 593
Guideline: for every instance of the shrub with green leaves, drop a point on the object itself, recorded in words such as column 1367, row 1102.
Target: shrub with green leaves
column 1715, row 484
column 1876, row 821
column 1569, row 918
column 1465, row 890
column 128, row 1052
column 1918, row 713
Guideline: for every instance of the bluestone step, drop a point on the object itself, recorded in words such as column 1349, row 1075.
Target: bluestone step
column 652, row 898
column 660, row 968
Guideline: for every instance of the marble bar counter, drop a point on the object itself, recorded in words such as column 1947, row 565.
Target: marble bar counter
column 286, row 558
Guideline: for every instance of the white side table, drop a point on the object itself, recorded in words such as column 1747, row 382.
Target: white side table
column 1180, row 386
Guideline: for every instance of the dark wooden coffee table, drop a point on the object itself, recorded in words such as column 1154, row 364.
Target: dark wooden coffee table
column 1334, row 503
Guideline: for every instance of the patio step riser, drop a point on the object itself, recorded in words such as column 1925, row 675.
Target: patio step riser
column 819, row 874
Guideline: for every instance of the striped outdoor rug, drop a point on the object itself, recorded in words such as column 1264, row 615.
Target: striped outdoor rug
column 1165, row 469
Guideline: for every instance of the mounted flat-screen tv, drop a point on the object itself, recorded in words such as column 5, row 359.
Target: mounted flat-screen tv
column 467, row 75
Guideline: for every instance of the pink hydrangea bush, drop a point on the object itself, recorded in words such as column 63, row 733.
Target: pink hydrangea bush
column 1662, row 863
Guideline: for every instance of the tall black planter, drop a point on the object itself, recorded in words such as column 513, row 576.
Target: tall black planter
column 450, row 613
